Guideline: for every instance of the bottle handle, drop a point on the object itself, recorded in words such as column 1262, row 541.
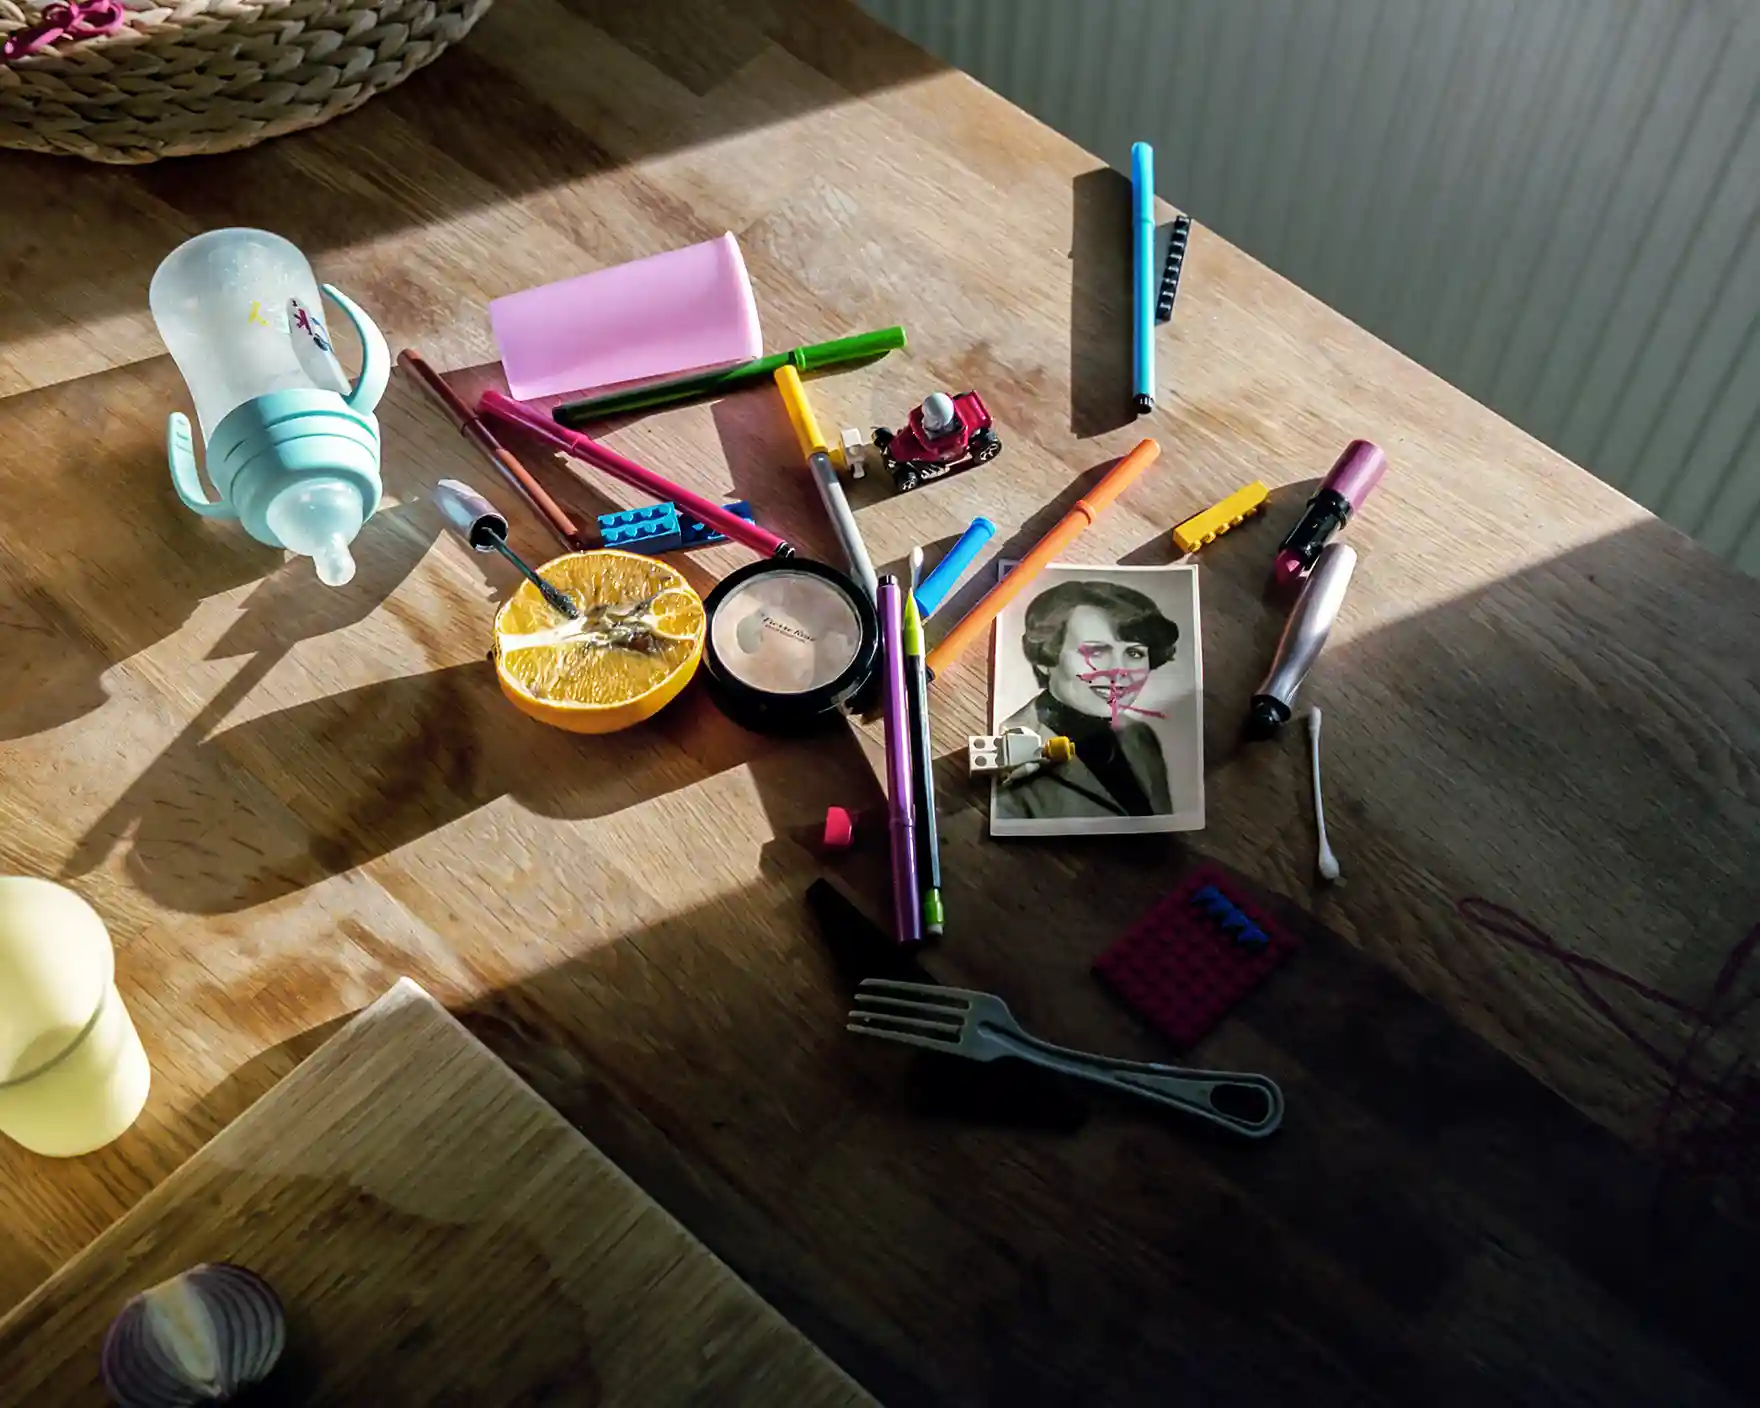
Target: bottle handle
column 375, row 371
column 184, row 479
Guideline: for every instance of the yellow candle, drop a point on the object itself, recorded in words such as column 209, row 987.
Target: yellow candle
column 73, row 1075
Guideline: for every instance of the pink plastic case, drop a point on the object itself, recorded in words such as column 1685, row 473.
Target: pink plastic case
column 676, row 312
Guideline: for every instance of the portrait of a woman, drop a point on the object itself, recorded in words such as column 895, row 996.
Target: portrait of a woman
column 1093, row 647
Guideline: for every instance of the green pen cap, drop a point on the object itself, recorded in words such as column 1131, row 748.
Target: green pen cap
column 913, row 627
column 934, row 915
column 842, row 350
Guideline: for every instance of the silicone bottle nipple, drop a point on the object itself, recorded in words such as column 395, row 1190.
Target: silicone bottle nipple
column 318, row 519
column 334, row 563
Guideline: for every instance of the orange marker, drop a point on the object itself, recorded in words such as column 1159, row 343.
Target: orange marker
column 978, row 619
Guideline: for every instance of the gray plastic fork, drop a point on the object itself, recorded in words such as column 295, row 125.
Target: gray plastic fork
column 979, row 1026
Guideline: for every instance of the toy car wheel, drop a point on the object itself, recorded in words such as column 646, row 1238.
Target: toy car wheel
column 984, row 446
column 882, row 437
column 911, row 473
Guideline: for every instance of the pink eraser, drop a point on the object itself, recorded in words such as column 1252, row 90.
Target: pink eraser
column 670, row 313
column 840, row 829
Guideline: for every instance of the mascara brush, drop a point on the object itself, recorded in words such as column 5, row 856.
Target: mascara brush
column 477, row 522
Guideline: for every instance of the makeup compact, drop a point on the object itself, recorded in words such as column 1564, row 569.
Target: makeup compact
column 790, row 643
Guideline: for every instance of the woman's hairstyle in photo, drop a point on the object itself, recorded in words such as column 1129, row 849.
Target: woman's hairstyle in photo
column 1134, row 617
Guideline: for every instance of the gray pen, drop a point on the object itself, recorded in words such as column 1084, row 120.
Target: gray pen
column 843, row 522
column 1310, row 622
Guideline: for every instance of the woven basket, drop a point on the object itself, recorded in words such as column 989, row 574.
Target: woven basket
column 199, row 76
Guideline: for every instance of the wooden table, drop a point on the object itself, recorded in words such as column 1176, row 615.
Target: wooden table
column 282, row 797
column 404, row 1179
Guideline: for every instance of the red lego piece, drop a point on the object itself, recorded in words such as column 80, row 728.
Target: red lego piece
column 1180, row 969
column 840, row 829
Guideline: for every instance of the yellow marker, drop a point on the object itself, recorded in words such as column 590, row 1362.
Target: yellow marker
column 800, row 413
column 1213, row 522
column 257, row 315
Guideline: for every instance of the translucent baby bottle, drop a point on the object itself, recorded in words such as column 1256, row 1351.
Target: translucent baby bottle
column 292, row 448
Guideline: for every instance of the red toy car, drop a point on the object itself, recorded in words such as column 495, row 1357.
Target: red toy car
column 946, row 433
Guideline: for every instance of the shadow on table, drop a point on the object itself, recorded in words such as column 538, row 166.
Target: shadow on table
column 362, row 772
column 493, row 120
column 1100, row 304
column 104, row 563
column 944, row 1254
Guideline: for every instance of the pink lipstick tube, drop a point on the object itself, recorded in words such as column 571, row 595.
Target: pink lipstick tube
column 1351, row 480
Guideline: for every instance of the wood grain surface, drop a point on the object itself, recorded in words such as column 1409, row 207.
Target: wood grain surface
column 1504, row 1174
column 438, row 1234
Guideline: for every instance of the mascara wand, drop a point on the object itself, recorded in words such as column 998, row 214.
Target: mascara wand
column 477, row 522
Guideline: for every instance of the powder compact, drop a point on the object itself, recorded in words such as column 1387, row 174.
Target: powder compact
column 790, row 643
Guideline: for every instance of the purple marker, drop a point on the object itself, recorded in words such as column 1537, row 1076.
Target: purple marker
column 906, row 902
column 1341, row 493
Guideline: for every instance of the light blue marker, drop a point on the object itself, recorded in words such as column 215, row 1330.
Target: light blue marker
column 1143, row 276
column 933, row 589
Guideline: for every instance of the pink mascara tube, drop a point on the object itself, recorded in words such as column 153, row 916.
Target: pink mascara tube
column 1341, row 493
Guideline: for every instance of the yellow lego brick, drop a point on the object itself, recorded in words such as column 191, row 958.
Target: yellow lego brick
column 1213, row 522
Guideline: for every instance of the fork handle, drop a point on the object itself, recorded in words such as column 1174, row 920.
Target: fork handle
column 1184, row 1089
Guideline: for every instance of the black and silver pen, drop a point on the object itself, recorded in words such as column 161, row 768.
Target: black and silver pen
column 1304, row 634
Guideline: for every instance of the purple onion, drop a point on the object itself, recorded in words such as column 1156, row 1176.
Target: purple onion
column 196, row 1339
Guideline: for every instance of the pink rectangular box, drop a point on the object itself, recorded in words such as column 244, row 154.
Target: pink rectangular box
column 669, row 313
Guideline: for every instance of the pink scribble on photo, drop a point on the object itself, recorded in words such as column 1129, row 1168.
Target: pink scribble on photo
column 1122, row 684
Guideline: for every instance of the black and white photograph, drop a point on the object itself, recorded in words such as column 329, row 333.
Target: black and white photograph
column 1110, row 658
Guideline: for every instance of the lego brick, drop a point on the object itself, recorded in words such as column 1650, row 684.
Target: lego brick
column 1196, row 954
column 693, row 534
column 1177, row 239
column 840, row 829
column 1228, row 916
column 1213, row 522
column 851, row 451
column 648, row 529
column 1001, row 752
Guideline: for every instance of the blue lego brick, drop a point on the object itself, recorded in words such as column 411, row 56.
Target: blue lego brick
column 651, row 528
column 1233, row 922
column 693, row 534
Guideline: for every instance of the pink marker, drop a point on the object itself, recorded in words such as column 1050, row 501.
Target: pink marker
column 1352, row 479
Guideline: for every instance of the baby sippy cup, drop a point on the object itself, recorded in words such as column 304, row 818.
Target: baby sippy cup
column 292, row 451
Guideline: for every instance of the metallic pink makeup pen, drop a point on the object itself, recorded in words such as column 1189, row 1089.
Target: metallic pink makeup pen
column 1352, row 479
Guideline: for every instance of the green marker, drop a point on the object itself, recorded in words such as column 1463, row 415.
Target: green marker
column 922, row 755
column 814, row 357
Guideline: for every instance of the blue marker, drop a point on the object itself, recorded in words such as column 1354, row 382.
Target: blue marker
column 933, row 589
column 1143, row 276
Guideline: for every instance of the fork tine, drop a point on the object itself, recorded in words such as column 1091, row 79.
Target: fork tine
column 877, row 1003
column 955, row 998
column 928, row 1043
column 947, row 1031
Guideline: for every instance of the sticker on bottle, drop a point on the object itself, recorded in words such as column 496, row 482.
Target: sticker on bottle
column 311, row 346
